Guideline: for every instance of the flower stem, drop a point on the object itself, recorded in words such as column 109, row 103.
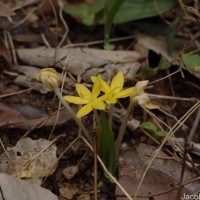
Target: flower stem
column 70, row 110
column 95, row 131
column 122, row 128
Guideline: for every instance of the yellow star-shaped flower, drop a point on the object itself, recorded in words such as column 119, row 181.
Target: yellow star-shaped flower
column 115, row 90
column 90, row 99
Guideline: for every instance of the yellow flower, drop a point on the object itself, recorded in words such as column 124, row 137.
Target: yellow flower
column 90, row 99
column 140, row 97
column 115, row 90
column 49, row 78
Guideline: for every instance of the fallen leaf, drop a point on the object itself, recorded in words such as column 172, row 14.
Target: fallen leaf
column 28, row 38
column 5, row 56
column 5, row 11
column 30, row 159
column 26, row 117
column 15, row 189
column 162, row 175
column 84, row 62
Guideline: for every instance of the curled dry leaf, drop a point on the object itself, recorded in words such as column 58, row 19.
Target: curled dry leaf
column 30, row 159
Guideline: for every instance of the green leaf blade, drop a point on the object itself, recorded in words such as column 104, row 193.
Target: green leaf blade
column 140, row 9
column 107, row 145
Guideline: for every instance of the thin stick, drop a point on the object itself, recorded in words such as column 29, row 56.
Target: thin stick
column 95, row 155
column 172, row 98
column 68, row 147
column 100, row 41
column 59, row 106
column 173, row 130
column 122, row 128
column 65, row 25
column 164, row 77
column 194, row 127
column 19, row 92
column 107, row 172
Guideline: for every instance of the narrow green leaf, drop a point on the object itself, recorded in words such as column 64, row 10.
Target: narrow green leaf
column 191, row 61
column 140, row 9
column 148, row 125
column 171, row 33
column 81, row 11
column 84, row 11
column 148, row 72
column 161, row 133
column 109, row 19
column 97, row 6
column 107, row 145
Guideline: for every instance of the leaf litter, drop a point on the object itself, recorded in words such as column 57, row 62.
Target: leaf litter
column 30, row 159
column 80, row 63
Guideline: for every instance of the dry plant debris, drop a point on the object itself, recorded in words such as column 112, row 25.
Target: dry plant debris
column 37, row 34
column 30, row 159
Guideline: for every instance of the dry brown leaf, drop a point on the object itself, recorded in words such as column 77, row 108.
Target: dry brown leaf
column 46, row 7
column 5, row 11
column 84, row 62
column 13, row 117
column 28, row 38
column 15, row 189
column 161, row 176
column 18, row 4
column 30, row 159
column 5, row 56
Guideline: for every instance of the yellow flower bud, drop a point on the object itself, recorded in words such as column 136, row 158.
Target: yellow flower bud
column 49, row 78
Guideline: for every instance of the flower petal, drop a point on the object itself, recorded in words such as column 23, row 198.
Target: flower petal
column 96, row 89
column 140, row 85
column 142, row 99
column 75, row 100
column 124, row 93
column 93, row 78
column 117, row 82
column 84, row 110
column 103, row 97
column 104, row 86
column 83, row 91
column 111, row 100
column 98, row 104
